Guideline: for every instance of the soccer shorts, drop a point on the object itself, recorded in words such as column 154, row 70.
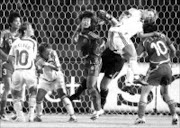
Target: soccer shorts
column 55, row 84
column 93, row 65
column 21, row 77
column 159, row 75
column 112, row 63
column 7, row 70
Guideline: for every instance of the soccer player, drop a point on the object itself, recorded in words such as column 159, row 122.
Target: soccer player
column 130, row 23
column 51, row 79
column 91, row 47
column 22, row 56
column 160, row 50
column 7, row 37
column 112, row 64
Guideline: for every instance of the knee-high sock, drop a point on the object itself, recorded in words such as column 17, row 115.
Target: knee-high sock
column 79, row 90
column 132, row 70
column 172, row 107
column 141, row 109
column 18, row 107
column 3, row 105
column 39, row 108
column 68, row 106
column 32, row 104
column 103, row 94
column 96, row 99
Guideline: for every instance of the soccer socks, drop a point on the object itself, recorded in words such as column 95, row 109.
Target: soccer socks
column 172, row 107
column 18, row 108
column 79, row 90
column 103, row 94
column 32, row 104
column 39, row 108
column 3, row 105
column 131, row 71
column 141, row 109
column 96, row 99
column 68, row 106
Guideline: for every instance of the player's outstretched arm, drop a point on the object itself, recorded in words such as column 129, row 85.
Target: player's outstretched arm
column 146, row 35
column 107, row 17
column 3, row 55
column 172, row 50
column 75, row 36
column 50, row 66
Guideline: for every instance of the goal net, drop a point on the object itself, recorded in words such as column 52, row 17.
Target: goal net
column 55, row 22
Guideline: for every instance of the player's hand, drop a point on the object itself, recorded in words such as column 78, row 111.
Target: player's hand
column 103, row 15
column 159, row 34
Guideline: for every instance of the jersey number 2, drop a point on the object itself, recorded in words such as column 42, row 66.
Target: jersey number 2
column 160, row 48
column 22, row 57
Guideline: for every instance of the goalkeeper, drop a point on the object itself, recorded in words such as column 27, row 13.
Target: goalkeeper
column 91, row 47
column 51, row 78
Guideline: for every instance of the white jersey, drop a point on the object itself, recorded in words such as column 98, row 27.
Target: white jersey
column 48, row 73
column 129, row 25
column 24, row 51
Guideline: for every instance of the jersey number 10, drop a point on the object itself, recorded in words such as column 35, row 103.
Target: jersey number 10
column 160, row 48
column 22, row 57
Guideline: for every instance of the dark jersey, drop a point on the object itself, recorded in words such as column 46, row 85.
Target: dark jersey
column 157, row 49
column 90, row 44
column 7, row 38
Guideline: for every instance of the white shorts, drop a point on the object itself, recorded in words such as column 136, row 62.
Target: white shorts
column 21, row 77
column 55, row 84
column 117, row 40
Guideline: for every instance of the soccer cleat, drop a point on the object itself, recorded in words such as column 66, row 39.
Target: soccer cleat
column 97, row 114
column 20, row 119
column 101, row 112
column 37, row 119
column 140, row 80
column 175, row 120
column 94, row 117
column 31, row 119
column 140, row 120
column 4, row 118
column 72, row 119
column 14, row 117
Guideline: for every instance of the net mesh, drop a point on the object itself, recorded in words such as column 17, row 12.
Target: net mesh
column 55, row 22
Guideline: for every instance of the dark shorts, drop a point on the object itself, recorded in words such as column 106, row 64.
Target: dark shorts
column 7, row 70
column 112, row 63
column 159, row 75
column 93, row 66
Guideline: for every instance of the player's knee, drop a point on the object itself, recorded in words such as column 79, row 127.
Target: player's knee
column 16, row 99
column 165, row 81
column 61, row 93
column 33, row 90
column 66, row 101
column 7, row 83
column 93, row 92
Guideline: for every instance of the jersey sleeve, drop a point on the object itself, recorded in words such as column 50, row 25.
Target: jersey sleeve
column 56, row 59
column 1, row 39
column 141, row 47
column 12, row 51
column 39, row 62
column 168, row 41
column 35, row 50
